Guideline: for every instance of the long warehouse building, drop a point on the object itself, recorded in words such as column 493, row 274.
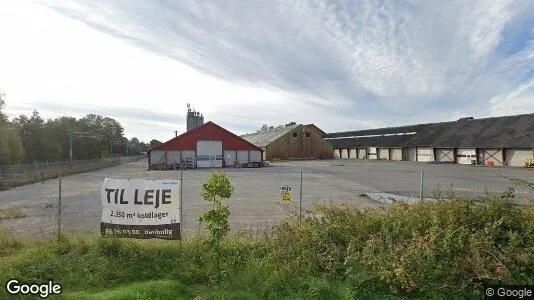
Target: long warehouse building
column 499, row 141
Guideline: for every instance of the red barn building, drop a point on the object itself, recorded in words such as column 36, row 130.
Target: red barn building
column 208, row 146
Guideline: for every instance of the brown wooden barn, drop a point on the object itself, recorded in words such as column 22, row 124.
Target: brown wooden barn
column 292, row 142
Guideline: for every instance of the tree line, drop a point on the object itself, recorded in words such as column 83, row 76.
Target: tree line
column 28, row 139
column 266, row 128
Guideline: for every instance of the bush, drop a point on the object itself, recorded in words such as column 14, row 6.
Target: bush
column 446, row 249
column 429, row 248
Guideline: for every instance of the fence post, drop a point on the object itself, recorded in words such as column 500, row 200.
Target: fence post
column 422, row 185
column 59, row 209
column 300, row 197
column 181, row 204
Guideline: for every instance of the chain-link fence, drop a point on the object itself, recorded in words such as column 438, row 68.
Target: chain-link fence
column 20, row 174
column 33, row 211
column 72, row 205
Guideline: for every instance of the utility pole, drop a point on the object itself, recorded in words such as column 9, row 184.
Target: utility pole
column 70, row 150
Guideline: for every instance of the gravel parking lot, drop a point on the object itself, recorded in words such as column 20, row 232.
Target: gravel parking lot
column 256, row 204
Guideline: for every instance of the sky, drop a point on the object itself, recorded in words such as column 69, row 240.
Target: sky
column 342, row 65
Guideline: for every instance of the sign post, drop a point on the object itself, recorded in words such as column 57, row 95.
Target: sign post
column 141, row 209
column 181, row 202
column 300, row 197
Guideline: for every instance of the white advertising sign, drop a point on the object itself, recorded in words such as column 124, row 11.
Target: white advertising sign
column 140, row 208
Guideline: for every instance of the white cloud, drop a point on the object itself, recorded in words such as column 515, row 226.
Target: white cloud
column 339, row 64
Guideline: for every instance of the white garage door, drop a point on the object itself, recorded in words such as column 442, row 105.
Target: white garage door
column 444, row 154
column 336, row 153
column 517, row 157
column 493, row 156
column 466, row 156
column 188, row 155
column 242, row 156
column 255, row 156
column 412, row 154
column 372, row 154
column 395, row 154
column 353, row 153
column 157, row 157
column 424, row 154
column 344, row 153
column 209, row 154
column 383, row 153
column 362, row 153
column 230, row 157
column 173, row 157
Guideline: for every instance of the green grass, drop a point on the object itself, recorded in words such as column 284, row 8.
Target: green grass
column 11, row 213
column 440, row 250
column 162, row 289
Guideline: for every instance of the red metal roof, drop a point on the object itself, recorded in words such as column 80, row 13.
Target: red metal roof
column 207, row 132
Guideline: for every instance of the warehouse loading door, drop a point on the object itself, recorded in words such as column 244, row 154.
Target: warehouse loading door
column 445, row 155
column 383, row 153
column 209, row 154
column 174, row 159
column 255, row 156
column 372, row 154
column 466, row 156
column 395, row 154
column 412, row 154
column 517, row 157
column 493, row 157
column 242, row 156
column 230, row 156
column 424, row 154
column 362, row 153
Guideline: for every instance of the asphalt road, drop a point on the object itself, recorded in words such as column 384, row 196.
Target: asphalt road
column 255, row 204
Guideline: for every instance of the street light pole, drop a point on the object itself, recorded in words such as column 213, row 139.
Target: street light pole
column 70, row 150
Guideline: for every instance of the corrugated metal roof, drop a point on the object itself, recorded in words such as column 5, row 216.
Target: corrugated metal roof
column 262, row 139
column 497, row 132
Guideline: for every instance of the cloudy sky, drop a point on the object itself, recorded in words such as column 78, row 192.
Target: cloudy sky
column 343, row 65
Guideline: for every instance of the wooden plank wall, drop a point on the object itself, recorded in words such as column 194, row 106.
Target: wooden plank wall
column 300, row 147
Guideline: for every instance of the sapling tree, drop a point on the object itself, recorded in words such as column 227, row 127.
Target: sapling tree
column 216, row 190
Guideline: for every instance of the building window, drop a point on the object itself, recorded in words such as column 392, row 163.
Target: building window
column 295, row 134
column 307, row 134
